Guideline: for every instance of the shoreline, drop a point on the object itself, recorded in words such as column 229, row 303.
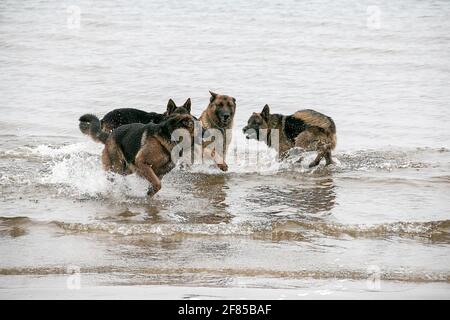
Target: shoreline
column 55, row 288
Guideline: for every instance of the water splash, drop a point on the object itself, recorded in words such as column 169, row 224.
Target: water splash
column 76, row 169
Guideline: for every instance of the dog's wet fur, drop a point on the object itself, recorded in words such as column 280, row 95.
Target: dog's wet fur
column 122, row 116
column 307, row 129
column 220, row 115
column 139, row 148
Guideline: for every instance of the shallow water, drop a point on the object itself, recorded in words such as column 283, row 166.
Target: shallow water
column 383, row 208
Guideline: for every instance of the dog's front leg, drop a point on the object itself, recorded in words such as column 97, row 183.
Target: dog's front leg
column 155, row 187
column 218, row 160
column 316, row 161
column 145, row 170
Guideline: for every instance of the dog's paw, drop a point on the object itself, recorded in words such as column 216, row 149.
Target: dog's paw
column 154, row 189
column 223, row 166
column 313, row 164
column 151, row 192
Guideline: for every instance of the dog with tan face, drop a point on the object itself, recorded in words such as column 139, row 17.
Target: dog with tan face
column 220, row 115
column 307, row 129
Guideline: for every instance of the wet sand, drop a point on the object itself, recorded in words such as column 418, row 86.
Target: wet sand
column 56, row 288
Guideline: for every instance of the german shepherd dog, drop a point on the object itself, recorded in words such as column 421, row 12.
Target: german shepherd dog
column 119, row 117
column 220, row 115
column 307, row 129
column 139, row 148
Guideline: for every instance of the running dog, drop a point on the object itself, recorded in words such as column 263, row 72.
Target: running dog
column 220, row 115
column 139, row 148
column 307, row 129
column 119, row 117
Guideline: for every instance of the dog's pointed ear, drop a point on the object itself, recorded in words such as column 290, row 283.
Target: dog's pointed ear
column 187, row 105
column 265, row 113
column 171, row 106
column 234, row 100
column 213, row 96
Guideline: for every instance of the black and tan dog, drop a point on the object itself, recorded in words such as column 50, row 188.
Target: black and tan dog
column 141, row 148
column 220, row 115
column 119, row 117
column 307, row 129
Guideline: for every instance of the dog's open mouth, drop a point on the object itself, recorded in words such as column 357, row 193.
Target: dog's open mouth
column 250, row 134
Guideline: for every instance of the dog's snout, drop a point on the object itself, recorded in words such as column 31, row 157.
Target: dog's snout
column 226, row 116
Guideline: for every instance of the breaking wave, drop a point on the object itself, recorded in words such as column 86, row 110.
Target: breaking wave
column 436, row 231
column 166, row 229
column 219, row 273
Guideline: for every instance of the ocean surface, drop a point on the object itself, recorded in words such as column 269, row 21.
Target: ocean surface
column 379, row 219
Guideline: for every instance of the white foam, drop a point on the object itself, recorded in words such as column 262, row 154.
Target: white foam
column 51, row 151
column 252, row 156
column 77, row 168
column 167, row 229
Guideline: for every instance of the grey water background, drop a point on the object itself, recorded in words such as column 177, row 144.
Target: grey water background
column 380, row 69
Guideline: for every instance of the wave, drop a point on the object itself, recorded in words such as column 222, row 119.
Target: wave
column 14, row 221
column 160, row 272
column 278, row 229
column 436, row 231
column 220, row 229
column 14, row 226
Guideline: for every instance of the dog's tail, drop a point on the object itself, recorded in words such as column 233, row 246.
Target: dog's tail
column 90, row 125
